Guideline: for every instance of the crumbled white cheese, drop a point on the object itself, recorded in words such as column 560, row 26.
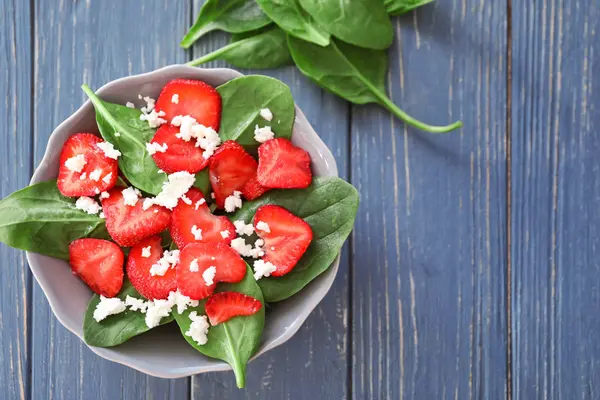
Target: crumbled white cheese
column 136, row 304
column 272, row 247
column 117, row 134
column 234, row 201
column 108, row 306
column 243, row 228
column 167, row 261
column 160, row 171
column 154, row 118
column 199, row 203
column 257, row 251
column 225, row 234
column 101, row 215
column 76, row 163
column 83, row 176
column 209, row 275
column 147, row 204
column 139, row 96
column 130, row 196
column 153, row 148
column 95, row 174
column 129, row 105
column 146, row 251
column 150, row 102
column 206, row 138
column 157, row 310
column 266, row 114
column 96, row 190
column 181, row 301
column 88, row 205
column 196, row 232
column 263, row 269
column 107, row 178
column 194, row 267
column 263, row 134
column 109, row 150
column 239, row 245
column 175, row 99
column 263, row 226
column 199, row 328
column 186, row 200
column 173, row 189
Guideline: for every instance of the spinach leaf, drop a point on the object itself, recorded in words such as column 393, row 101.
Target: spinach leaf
column 265, row 50
column 135, row 162
column 399, row 7
column 364, row 23
column 232, row 16
column 236, row 340
column 354, row 73
column 243, row 99
column 329, row 206
column 39, row 218
column 294, row 20
column 202, row 182
column 118, row 328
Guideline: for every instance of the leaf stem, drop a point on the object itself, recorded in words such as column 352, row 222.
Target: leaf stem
column 195, row 33
column 238, row 368
column 213, row 55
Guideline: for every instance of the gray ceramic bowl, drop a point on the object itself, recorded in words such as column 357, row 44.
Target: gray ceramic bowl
column 163, row 352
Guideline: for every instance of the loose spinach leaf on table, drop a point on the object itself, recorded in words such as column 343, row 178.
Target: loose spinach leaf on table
column 40, row 219
column 118, row 328
column 364, row 23
column 232, row 16
column 264, row 50
column 236, row 340
column 243, row 99
column 399, row 7
column 329, row 206
column 288, row 15
column 354, row 73
column 135, row 162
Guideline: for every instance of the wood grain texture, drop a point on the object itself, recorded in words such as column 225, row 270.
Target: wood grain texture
column 313, row 364
column 15, row 164
column 555, row 200
column 429, row 262
column 92, row 42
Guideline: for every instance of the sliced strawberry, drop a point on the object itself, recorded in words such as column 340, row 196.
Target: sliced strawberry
column 186, row 216
column 97, row 165
column 191, row 97
column 127, row 225
column 180, row 155
column 99, row 263
column 230, row 168
column 138, row 270
column 230, row 267
column 253, row 190
column 288, row 239
column 282, row 165
column 221, row 307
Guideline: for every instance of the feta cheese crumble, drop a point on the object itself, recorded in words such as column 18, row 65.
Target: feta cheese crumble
column 136, row 304
column 209, row 275
column 117, row 134
column 130, row 196
column 129, row 105
column 206, row 138
column 173, row 189
column 196, row 232
column 239, row 245
column 263, row 269
column 199, row 203
column 263, row 226
column 175, row 99
column 225, row 234
column 186, row 200
column 234, row 201
column 153, row 118
column 107, row 178
column 108, row 306
column 83, row 176
column 109, row 150
column 76, row 163
column 157, row 310
column 153, row 148
column 243, row 228
column 199, row 328
column 88, row 205
column 181, row 301
column 194, row 266
column 95, row 174
column 266, row 114
column 263, row 134
column 167, row 261
column 146, row 251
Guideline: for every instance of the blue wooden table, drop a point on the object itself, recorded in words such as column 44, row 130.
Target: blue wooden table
column 473, row 270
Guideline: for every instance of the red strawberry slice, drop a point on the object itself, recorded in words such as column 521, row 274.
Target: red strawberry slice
column 190, row 97
column 288, row 239
column 138, row 270
column 95, row 171
column 127, row 225
column 230, row 267
column 230, row 168
column 185, row 216
column 99, row 263
column 282, row 165
column 180, row 155
column 253, row 190
column 221, row 307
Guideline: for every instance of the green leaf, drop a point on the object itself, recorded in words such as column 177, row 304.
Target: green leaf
column 135, row 162
column 290, row 17
column 39, row 218
column 329, row 206
column 243, row 99
column 118, row 328
column 236, row 340
column 264, row 50
column 399, row 7
column 202, row 182
column 354, row 73
column 233, row 16
column 364, row 23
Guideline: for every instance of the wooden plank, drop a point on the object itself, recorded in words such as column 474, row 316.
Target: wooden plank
column 92, row 42
column 429, row 250
column 555, row 191
column 15, row 164
column 313, row 364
